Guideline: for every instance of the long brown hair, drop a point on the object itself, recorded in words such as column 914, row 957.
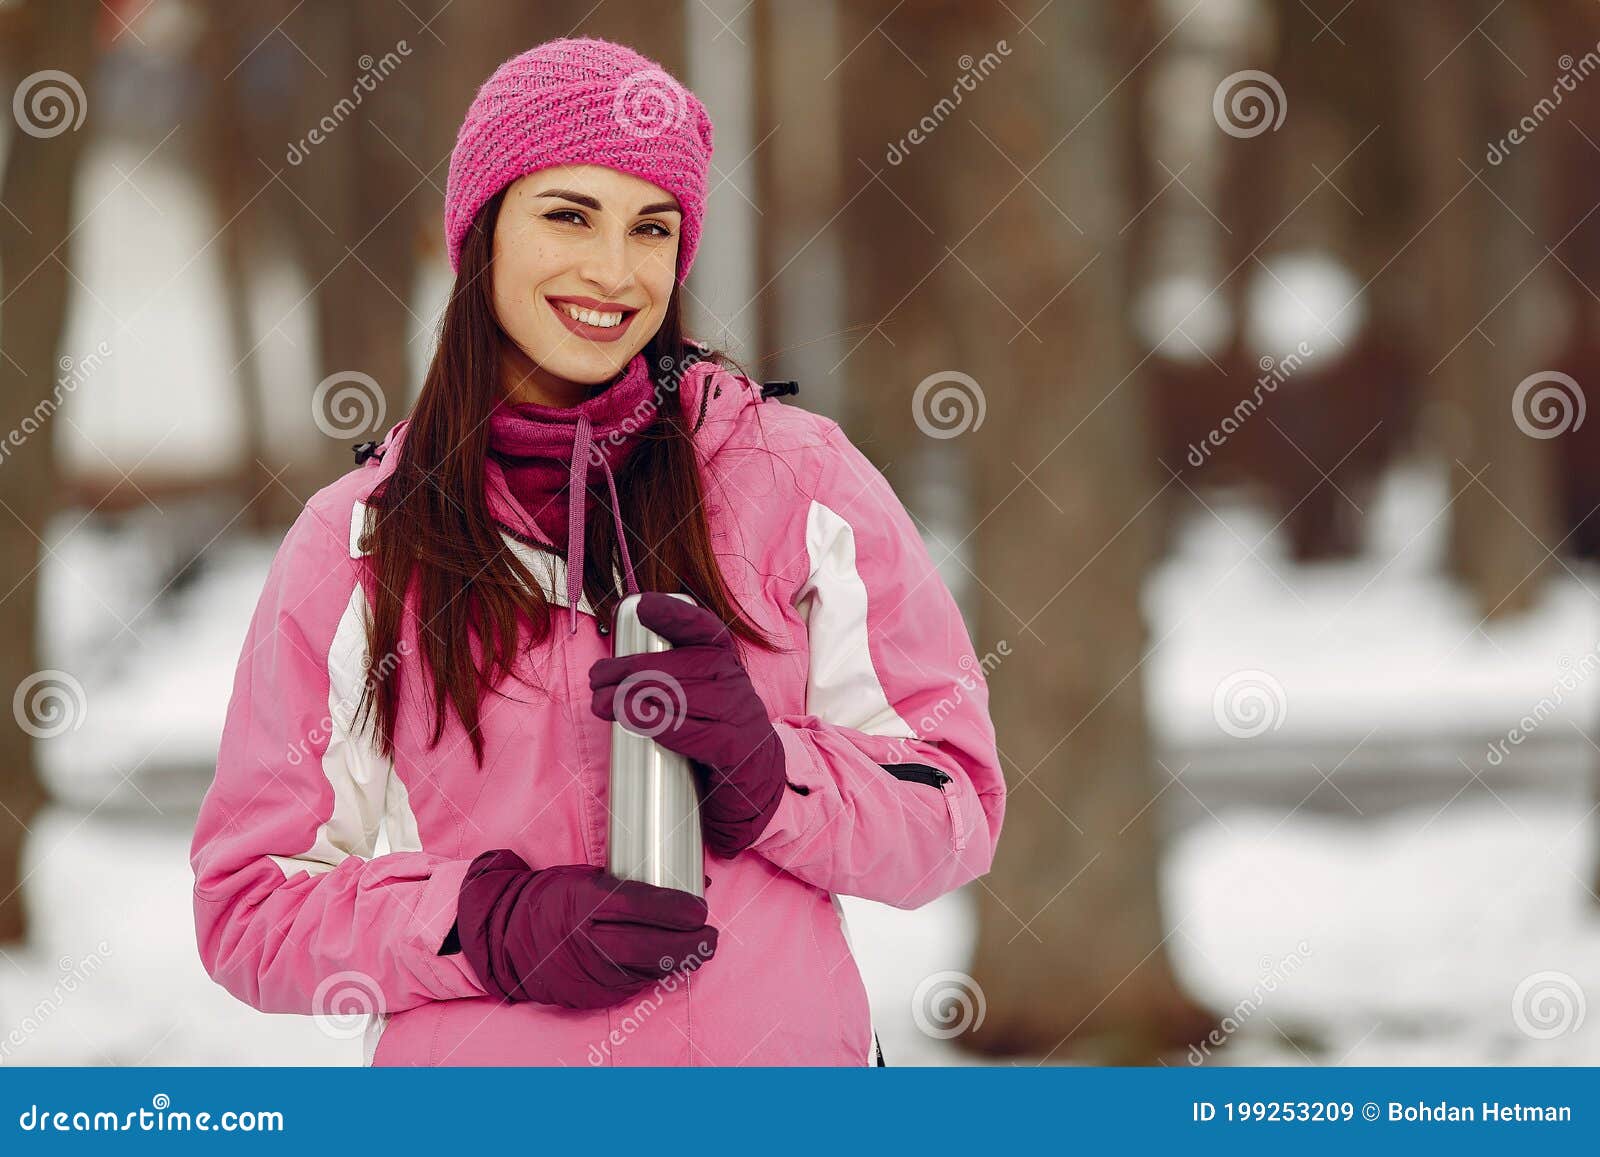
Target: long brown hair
column 432, row 525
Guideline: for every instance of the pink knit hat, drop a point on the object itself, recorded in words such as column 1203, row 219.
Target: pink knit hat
column 580, row 101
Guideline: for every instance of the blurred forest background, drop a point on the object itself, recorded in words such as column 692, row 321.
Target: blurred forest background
column 1231, row 354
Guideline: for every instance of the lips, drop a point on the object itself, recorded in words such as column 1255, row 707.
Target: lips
column 584, row 329
column 598, row 306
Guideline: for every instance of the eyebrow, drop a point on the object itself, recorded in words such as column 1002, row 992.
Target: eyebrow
column 588, row 201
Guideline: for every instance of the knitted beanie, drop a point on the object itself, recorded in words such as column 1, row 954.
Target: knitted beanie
column 580, row 101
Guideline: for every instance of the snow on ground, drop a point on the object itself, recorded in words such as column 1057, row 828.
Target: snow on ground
column 112, row 976
column 155, row 676
column 1375, row 641
column 1461, row 934
column 1400, row 941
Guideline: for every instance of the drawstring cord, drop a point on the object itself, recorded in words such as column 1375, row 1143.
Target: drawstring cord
column 577, row 493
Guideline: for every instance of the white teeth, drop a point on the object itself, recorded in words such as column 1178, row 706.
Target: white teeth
column 590, row 317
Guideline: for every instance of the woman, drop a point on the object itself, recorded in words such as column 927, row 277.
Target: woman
column 410, row 821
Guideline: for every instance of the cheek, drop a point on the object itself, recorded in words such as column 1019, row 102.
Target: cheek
column 659, row 276
column 517, row 274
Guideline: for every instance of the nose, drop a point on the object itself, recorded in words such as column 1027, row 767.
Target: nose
column 605, row 263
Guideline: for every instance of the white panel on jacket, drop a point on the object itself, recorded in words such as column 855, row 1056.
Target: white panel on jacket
column 842, row 686
column 358, row 775
column 549, row 570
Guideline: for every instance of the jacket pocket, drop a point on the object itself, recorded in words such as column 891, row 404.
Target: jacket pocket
column 918, row 773
column 922, row 773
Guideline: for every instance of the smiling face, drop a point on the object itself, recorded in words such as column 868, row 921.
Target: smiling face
column 582, row 239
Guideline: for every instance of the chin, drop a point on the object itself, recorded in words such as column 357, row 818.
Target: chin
column 588, row 371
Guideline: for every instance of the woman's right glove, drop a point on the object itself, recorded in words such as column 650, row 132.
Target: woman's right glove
column 574, row 935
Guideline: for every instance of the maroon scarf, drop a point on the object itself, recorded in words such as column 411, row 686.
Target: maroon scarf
column 544, row 453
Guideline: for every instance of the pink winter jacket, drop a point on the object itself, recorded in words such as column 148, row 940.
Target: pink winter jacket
column 326, row 876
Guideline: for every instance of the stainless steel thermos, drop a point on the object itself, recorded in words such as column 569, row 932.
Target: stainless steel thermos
column 655, row 807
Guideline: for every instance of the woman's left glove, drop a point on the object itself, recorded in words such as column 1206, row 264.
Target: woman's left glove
column 697, row 700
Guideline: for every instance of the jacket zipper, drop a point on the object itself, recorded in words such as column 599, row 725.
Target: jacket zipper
column 922, row 773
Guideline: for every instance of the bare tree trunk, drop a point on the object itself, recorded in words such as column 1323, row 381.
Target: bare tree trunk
column 663, row 37
column 46, row 147
column 902, row 61
column 361, row 195
column 799, row 162
column 1481, row 334
column 1071, row 949
column 229, row 166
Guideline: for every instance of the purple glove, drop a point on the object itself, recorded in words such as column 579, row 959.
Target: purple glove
column 573, row 935
column 697, row 700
